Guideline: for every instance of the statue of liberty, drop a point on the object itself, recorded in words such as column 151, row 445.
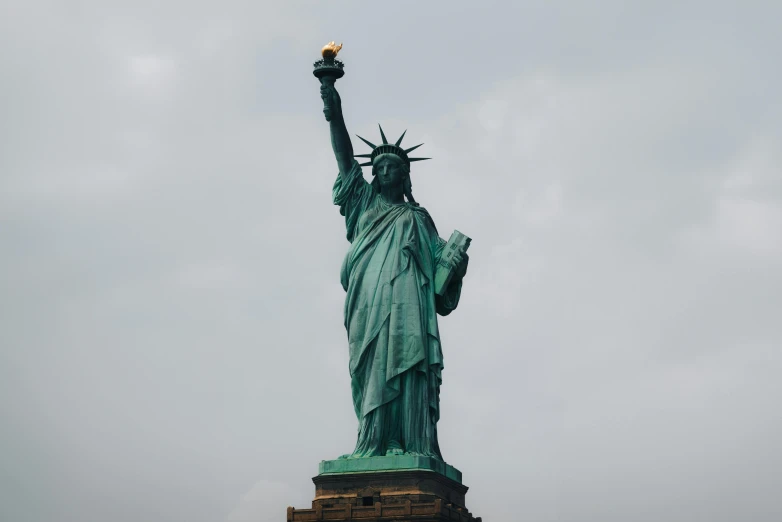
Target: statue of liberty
column 391, row 306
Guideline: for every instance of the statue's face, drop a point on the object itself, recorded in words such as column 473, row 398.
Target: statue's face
column 390, row 170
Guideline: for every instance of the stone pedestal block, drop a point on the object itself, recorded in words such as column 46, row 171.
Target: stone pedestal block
column 399, row 495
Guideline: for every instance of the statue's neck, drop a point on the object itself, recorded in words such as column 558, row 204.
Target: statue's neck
column 392, row 195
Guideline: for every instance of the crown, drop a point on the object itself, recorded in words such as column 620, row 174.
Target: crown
column 387, row 148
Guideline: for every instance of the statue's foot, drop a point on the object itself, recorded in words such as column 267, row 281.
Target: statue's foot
column 345, row 456
column 423, row 454
column 394, row 448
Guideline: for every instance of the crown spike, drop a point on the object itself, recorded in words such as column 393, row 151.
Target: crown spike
column 400, row 139
column 367, row 142
column 418, row 159
column 385, row 141
column 412, row 148
column 362, row 155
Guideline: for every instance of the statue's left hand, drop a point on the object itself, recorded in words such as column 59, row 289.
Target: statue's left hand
column 459, row 263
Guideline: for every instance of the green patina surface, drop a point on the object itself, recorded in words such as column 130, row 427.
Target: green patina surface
column 393, row 463
column 391, row 306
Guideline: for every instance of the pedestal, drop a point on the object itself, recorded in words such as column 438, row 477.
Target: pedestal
column 400, row 494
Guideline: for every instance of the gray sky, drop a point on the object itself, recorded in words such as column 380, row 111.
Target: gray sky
column 171, row 339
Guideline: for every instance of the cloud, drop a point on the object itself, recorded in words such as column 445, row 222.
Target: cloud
column 171, row 315
column 262, row 503
column 152, row 75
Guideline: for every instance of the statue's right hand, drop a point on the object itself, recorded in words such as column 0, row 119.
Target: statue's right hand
column 332, row 104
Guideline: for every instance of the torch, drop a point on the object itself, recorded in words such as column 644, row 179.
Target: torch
column 328, row 69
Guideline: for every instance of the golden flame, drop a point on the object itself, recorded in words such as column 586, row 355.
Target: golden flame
column 330, row 50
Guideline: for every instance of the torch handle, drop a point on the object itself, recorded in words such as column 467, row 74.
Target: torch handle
column 333, row 97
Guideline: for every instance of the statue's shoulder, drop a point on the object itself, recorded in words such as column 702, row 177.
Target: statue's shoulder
column 415, row 207
column 422, row 215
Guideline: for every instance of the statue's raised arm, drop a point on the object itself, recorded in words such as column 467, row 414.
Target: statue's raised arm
column 328, row 70
column 340, row 139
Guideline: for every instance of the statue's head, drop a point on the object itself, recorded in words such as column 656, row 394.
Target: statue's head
column 392, row 173
column 390, row 170
column 390, row 164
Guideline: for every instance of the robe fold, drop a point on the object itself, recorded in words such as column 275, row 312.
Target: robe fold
column 396, row 360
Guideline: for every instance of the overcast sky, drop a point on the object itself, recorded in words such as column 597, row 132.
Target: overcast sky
column 171, row 337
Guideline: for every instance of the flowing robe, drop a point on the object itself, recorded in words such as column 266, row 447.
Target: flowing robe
column 396, row 360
